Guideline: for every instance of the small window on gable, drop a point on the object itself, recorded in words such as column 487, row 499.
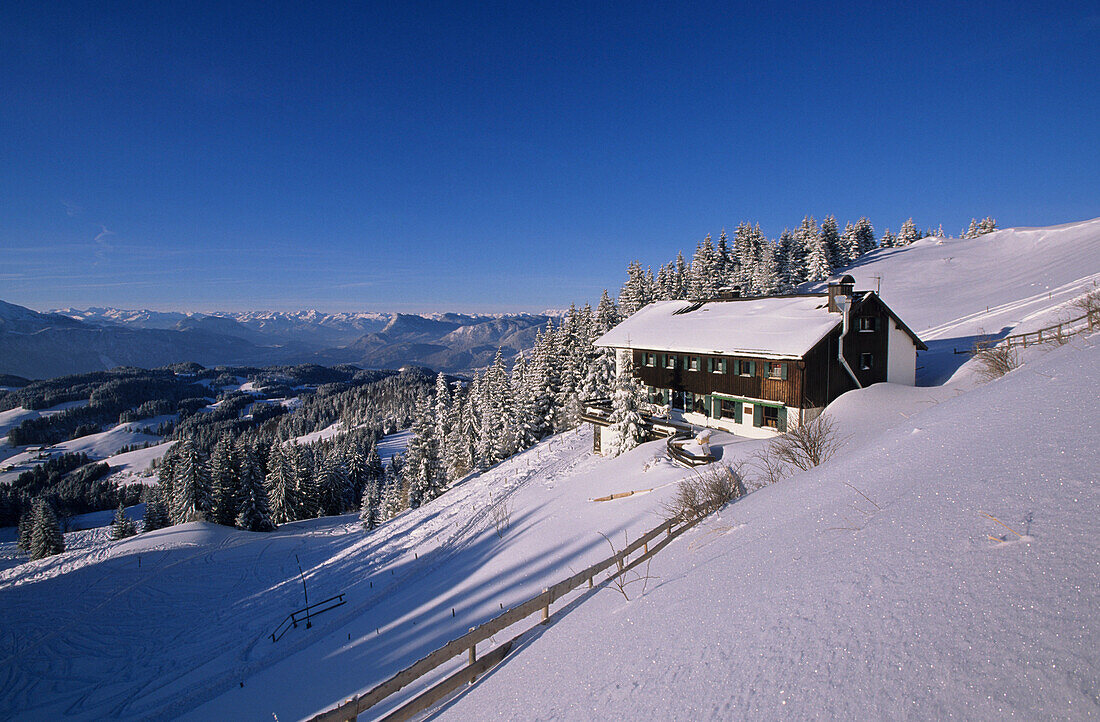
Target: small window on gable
column 866, row 361
column 868, row 324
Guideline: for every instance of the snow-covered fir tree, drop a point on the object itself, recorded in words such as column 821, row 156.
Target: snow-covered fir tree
column 423, row 475
column 191, row 485
column 830, row 238
column 254, row 513
column 281, row 486
column 908, row 233
column 818, row 267
column 865, row 232
column 889, row 240
column 46, row 538
column 122, row 526
column 626, row 421
column 986, row 225
column 224, row 482
column 332, row 484
column 156, row 511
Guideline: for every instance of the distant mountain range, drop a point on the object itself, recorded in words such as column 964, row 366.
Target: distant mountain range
column 66, row 341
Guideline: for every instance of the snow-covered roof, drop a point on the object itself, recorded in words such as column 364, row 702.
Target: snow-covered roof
column 773, row 326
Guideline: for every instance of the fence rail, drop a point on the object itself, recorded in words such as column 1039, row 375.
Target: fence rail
column 350, row 709
column 1058, row 332
column 678, row 453
column 304, row 614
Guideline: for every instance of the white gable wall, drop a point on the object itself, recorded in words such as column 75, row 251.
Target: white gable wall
column 901, row 357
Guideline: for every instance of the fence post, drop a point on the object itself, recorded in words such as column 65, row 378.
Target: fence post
column 546, row 609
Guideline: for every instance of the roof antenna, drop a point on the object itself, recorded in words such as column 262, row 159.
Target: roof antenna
column 878, row 285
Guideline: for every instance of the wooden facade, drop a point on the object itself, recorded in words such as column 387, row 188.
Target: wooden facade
column 812, row 381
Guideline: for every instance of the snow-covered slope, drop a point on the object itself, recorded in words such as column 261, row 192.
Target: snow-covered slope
column 867, row 588
column 873, row 587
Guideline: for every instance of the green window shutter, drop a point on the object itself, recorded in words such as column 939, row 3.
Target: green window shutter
column 782, row 421
column 710, row 365
column 715, row 407
column 737, row 409
column 783, row 368
column 757, row 415
column 752, row 368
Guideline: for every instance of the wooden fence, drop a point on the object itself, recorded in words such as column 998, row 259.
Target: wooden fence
column 351, row 708
column 1059, row 332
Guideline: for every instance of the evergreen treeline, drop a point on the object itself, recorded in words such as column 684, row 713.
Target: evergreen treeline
column 761, row 266
column 72, row 483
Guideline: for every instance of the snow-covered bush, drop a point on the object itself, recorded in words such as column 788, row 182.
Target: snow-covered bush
column 996, row 361
column 799, row 449
column 706, row 491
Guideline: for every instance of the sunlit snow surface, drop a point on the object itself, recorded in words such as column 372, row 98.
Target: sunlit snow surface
column 868, row 588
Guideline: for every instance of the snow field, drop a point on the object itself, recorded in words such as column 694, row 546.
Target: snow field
column 867, row 588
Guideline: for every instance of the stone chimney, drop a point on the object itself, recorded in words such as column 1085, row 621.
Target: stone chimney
column 840, row 286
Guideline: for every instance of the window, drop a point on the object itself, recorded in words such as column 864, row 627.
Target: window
column 729, row 409
column 866, row 361
column 678, row 400
column 649, row 359
column 868, row 324
column 718, row 365
column 776, row 371
column 670, row 362
column 693, row 363
column 744, row 368
column 700, row 404
column 770, row 417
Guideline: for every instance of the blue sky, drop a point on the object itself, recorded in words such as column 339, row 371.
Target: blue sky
column 505, row 156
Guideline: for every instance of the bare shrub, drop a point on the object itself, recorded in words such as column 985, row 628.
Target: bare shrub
column 1089, row 303
column 501, row 514
column 706, row 491
column 996, row 361
column 799, row 449
column 621, row 578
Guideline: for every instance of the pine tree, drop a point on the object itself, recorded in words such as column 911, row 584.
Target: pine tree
column 726, row 261
column 626, row 421
column 849, row 246
column 254, row 513
column 191, row 485
column 305, row 492
column 972, row 231
column 122, row 526
column 332, row 484
column 423, row 474
column 156, row 511
column 281, row 487
column 889, row 240
column 908, row 233
column 26, row 527
column 370, row 508
column 225, row 483
column 637, row 291
column 765, row 279
column 817, row 263
column 786, row 258
column 46, row 538
column 394, row 499
column 830, row 238
column 986, row 225
column 865, row 234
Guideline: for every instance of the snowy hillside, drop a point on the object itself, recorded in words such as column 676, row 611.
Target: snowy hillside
column 874, row 586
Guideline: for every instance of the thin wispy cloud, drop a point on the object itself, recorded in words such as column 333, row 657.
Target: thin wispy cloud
column 72, row 210
column 102, row 245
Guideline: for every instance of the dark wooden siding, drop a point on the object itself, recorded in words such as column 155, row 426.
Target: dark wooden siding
column 826, row 378
column 758, row 386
